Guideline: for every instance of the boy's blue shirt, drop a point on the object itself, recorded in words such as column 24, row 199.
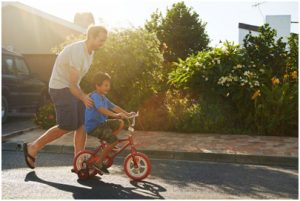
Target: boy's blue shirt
column 93, row 118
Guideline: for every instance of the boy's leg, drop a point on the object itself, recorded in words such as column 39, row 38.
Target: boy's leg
column 102, row 154
column 121, row 126
column 49, row 136
column 79, row 140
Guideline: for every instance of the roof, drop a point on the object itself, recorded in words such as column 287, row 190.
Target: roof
column 44, row 15
column 248, row 27
column 6, row 51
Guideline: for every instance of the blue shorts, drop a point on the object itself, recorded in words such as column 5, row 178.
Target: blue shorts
column 69, row 109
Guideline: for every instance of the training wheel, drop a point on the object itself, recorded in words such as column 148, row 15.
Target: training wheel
column 80, row 165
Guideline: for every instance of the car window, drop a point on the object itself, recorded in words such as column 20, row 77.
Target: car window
column 7, row 65
column 21, row 67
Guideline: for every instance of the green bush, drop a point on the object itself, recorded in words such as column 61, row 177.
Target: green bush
column 45, row 116
column 232, row 77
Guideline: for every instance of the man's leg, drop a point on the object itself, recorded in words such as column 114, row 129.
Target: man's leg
column 49, row 136
column 79, row 140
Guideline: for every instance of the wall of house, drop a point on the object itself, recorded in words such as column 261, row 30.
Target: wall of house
column 243, row 33
column 282, row 24
column 34, row 37
column 31, row 34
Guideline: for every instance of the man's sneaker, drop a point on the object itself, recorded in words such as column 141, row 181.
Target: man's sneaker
column 101, row 168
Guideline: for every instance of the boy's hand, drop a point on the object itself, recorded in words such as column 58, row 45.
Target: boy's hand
column 131, row 114
column 121, row 116
column 88, row 102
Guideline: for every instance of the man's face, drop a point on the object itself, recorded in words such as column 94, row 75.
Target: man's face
column 104, row 87
column 99, row 40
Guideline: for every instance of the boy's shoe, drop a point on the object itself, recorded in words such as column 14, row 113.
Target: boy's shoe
column 101, row 168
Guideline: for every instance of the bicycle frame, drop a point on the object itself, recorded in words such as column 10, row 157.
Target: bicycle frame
column 129, row 141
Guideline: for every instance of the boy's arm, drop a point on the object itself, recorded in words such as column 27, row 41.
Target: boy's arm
column 109, row 113
column 117, row 109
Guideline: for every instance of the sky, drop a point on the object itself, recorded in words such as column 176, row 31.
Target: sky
column 222, row 17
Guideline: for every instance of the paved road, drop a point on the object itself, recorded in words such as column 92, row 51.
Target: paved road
column 17, row 123
column 170, row 179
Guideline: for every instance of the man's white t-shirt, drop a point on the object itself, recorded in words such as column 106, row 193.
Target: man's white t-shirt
column 76, row 55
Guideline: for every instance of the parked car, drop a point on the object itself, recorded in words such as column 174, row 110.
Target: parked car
column 22, row 92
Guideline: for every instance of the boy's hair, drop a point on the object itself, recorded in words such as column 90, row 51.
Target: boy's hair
column 100, row 77
column 93, row 31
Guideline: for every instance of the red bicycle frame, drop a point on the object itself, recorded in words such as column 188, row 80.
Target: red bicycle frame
column 129, row 141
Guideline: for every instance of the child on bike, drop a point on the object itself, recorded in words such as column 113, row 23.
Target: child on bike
column 96, row 118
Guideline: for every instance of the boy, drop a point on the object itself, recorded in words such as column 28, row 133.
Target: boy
column 96, row 122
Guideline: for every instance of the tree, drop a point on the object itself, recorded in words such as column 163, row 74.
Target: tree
column 180, row 32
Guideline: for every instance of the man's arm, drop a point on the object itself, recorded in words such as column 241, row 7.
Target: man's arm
column 76, row 91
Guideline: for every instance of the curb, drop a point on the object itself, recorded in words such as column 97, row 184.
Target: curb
column 284, row 161
column 16, row 133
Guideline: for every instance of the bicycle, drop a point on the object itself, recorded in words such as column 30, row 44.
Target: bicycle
column 137, row 165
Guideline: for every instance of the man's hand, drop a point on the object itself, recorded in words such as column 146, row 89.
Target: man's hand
column 88, row 102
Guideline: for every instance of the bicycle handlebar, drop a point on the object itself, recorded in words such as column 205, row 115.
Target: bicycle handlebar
column 133, row 117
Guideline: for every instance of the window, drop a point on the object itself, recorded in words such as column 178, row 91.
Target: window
column 21, row 67
column 7, row 65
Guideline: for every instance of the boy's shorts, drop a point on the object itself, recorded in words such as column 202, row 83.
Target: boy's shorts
column 69, row 109
column 104, row 131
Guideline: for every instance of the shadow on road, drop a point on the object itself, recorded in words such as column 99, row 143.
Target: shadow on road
column 235, row 179
column 149, row 187
column 102, row 190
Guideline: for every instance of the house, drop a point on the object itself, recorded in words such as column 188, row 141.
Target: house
column 281, row 23
column 34, row 33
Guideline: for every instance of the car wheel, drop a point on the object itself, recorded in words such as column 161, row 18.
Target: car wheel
column 4, row 110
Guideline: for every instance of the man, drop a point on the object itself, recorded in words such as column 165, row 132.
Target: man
column 72, row 63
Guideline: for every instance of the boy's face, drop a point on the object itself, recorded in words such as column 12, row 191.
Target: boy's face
column 104, row 87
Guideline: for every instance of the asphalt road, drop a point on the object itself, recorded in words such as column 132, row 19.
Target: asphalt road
column 170, row 179
column 17, row 123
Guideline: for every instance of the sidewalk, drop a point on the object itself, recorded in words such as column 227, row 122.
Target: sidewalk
column 264, row 150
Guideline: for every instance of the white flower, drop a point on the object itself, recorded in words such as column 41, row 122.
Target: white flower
column 206, row 78
column 221, row 81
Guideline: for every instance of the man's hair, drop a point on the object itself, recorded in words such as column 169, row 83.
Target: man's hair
column 93, row 31
column 100, row 77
